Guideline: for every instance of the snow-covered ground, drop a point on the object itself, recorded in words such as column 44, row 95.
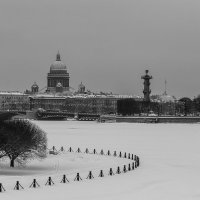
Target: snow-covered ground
column 169, row 155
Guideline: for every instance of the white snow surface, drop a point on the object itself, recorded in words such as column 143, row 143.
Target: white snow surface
column 169, row 163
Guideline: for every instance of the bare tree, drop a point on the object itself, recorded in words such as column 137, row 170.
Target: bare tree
column 22, row 140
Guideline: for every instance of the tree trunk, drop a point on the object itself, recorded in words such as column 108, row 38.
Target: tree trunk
column 12, row 162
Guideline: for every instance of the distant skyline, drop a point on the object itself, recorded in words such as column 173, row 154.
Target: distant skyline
column 106, row 44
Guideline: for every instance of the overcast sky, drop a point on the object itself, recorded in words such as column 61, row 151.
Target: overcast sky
column 106, row 44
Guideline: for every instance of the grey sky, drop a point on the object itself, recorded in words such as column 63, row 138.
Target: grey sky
column 106, row 44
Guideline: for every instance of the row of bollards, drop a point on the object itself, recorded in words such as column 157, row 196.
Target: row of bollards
column 50, row 182
column 129, row 156
column 54, row 151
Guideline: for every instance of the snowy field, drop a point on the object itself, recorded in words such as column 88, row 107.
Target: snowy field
column 169, row 155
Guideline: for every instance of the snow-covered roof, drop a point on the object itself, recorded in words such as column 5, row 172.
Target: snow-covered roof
column 12, row 93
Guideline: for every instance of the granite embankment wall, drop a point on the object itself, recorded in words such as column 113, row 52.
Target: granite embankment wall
column 158, row 119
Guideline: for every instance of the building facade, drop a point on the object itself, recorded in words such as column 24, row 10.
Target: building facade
column 82, row 103
column 58, row 77
column 16, row 101
column 47, row 102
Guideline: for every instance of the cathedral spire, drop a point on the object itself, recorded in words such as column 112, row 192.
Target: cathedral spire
column 58, row 56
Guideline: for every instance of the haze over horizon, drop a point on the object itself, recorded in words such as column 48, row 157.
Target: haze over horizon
column 106, row 44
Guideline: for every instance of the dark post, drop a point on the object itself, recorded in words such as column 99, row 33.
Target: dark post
column 129, row 167
column 2, row 188
column 118, row 170
column 64, row 179
column 120, row 154
column 94, row 151
column 124, row 169
column 125, row 155
column 133, row 165
column 108, row 153
column 70, row 149
column 78, row 150
column 78, row 178
column 102, row 153
column 111, row 172
column 138, row 161
column 86, row 151
column 49, row 182
column 101, row 174
column 90, row 176
column 34, row 184
column 18, row 186
column 129, row 156
column 115, row 153
column 62, row 149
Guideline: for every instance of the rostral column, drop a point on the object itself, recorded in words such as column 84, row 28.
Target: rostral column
column 146, row 90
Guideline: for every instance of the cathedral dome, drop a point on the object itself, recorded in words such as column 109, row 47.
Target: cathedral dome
column 58, row 65
column 167, row 98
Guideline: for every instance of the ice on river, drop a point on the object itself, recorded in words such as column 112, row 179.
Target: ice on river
column 169, row 153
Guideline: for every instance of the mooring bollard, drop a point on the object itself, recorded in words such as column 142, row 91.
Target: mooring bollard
column 120, row 154
column 54, row 148
column 64, row 179
column 129, row 156
column 115, row 153
column 18, row 186
column 133, row 165
column 78, row 178
column 94, row 151
column 62, row 149
column 49, row 181
column 125, row 155
column 108, row 154
column 118, row 170
column 111, row 173
column 102, row 153
column 78, row 150
column 138, row 161
column 90, row 176
column 86, row 151
column 34, row 184
column 2, row 189
column 132, row 157
column 129, row 167
column 124, row 169
column 70, row 150
column 135, row 157
column 101, row 174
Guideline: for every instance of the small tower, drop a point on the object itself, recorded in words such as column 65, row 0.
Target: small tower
column 34, row 88
column 146, row 90
column 81, row 88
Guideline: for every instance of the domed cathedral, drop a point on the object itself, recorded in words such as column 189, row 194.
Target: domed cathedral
column 58, row 77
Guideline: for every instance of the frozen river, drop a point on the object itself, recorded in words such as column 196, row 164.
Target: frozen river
column 169, row 153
